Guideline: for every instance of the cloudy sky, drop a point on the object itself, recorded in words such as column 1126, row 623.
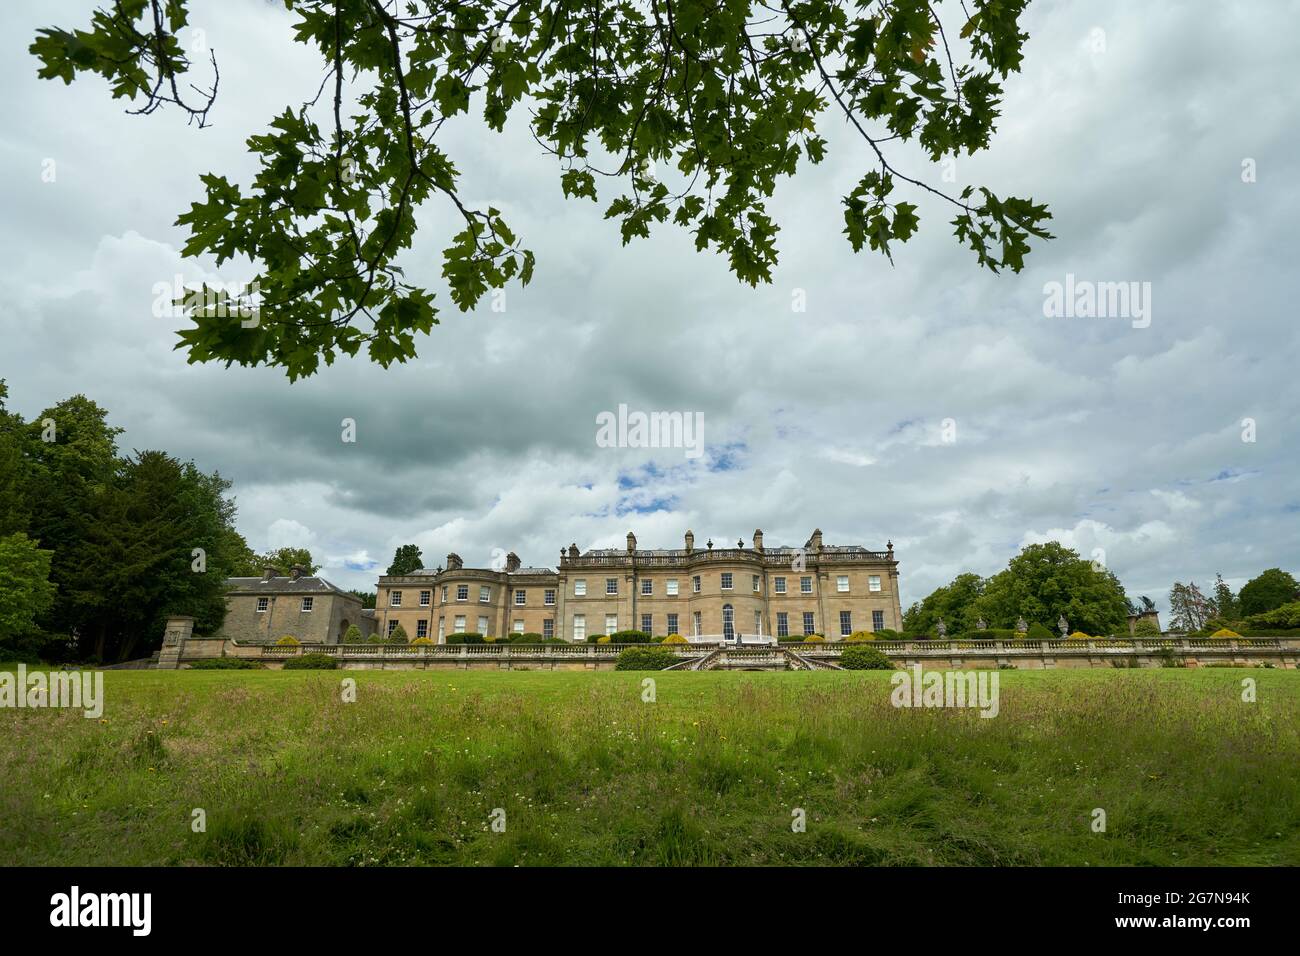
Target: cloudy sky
column 1132, row 121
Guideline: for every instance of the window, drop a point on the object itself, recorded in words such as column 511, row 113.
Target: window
column 482, row 625
column 548, row 627
column 611, row 585
column 805, row 585
column 462, row 592
column 394, row 598
column 877, row 620
column 755, row 583
column 444, row 594
column 778, row 585
column 846, row 623
column 842, row 583
column 808, row 625
column 782, row 624
column 521, row 597
column 671, row 587
column 425, row 597
column 458, row 625
column 519, row 625
column 392, row 626
column 873, row 582
column 611, row 623
column 263, row 604
column 548, row 597
column 695, row 584
column 647, row 586
column 647, row 623
column 484, row 594
column 728, row 622
column 726, row 580
column 579, row 588
column 307, row 604
column 442, row 630
column 696, row 623
column 422, row 628
column 672, row 624
column 579, row 627
column 758, row 622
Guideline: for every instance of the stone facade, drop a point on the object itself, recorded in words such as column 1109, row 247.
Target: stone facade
column 297, row 605
column 816, row 589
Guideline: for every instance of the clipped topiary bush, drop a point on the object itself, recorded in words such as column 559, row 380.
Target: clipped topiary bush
column 644, row 659
column 398, row 636
column 595, row 638
column 1037, row 632
column 889, row 634
column 1224, row 632
column 861, row 658
column 675, row 639
column 1079, row 636
column 288, row 641
column 814, row 639
column 374, row 639
column 860, row 637
column 466, row 637
column 422, row 641
column 311, row 662
column 1145, row 627
column 352, row 635
column 603, row 639
column 629, row 637
column 225, row 664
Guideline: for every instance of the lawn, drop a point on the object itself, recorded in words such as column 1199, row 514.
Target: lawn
column 710, row 772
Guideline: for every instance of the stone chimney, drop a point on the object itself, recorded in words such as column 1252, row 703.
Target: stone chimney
column 268, row 572
column 512, row 563
column 815, row 542
column 690, row 541
column 296, row 572
column 631, row 541
column 758, row 539
column 454, row 563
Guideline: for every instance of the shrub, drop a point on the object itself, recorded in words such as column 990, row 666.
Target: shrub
column 1224, row 632
column 225, row 664
column 1079, row 636
column 466, row 637
column 889, row 634
column 374, row 639
column 288, row 641
column 989, row 634
column 629, row 637
column 860, row 658
column 311, row 662
column 530, row 637
column 860, row 637
column 814, row 639
column 1285, row 617
column 352, row 635
column 398, row 636
column 675, row 639
column 422, row 641
column 644, row 659
column 595, row 638
column 1145, row 627
column 1037, row 632
column 603, row 639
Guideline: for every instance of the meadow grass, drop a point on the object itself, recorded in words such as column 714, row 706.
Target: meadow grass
column 709, row 773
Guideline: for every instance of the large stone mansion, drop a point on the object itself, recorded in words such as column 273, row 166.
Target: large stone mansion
column 696, row 592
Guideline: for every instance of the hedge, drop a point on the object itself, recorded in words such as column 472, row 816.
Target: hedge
column 311, row 662
column 629, row 637
column 863, row 658
column 288, row 641
column 225, row 664
column 466, row 637
column 645, row 659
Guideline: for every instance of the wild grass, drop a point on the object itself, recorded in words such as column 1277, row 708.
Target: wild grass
column 710, row 773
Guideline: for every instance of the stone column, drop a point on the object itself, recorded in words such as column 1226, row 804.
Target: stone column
column 178, row 631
